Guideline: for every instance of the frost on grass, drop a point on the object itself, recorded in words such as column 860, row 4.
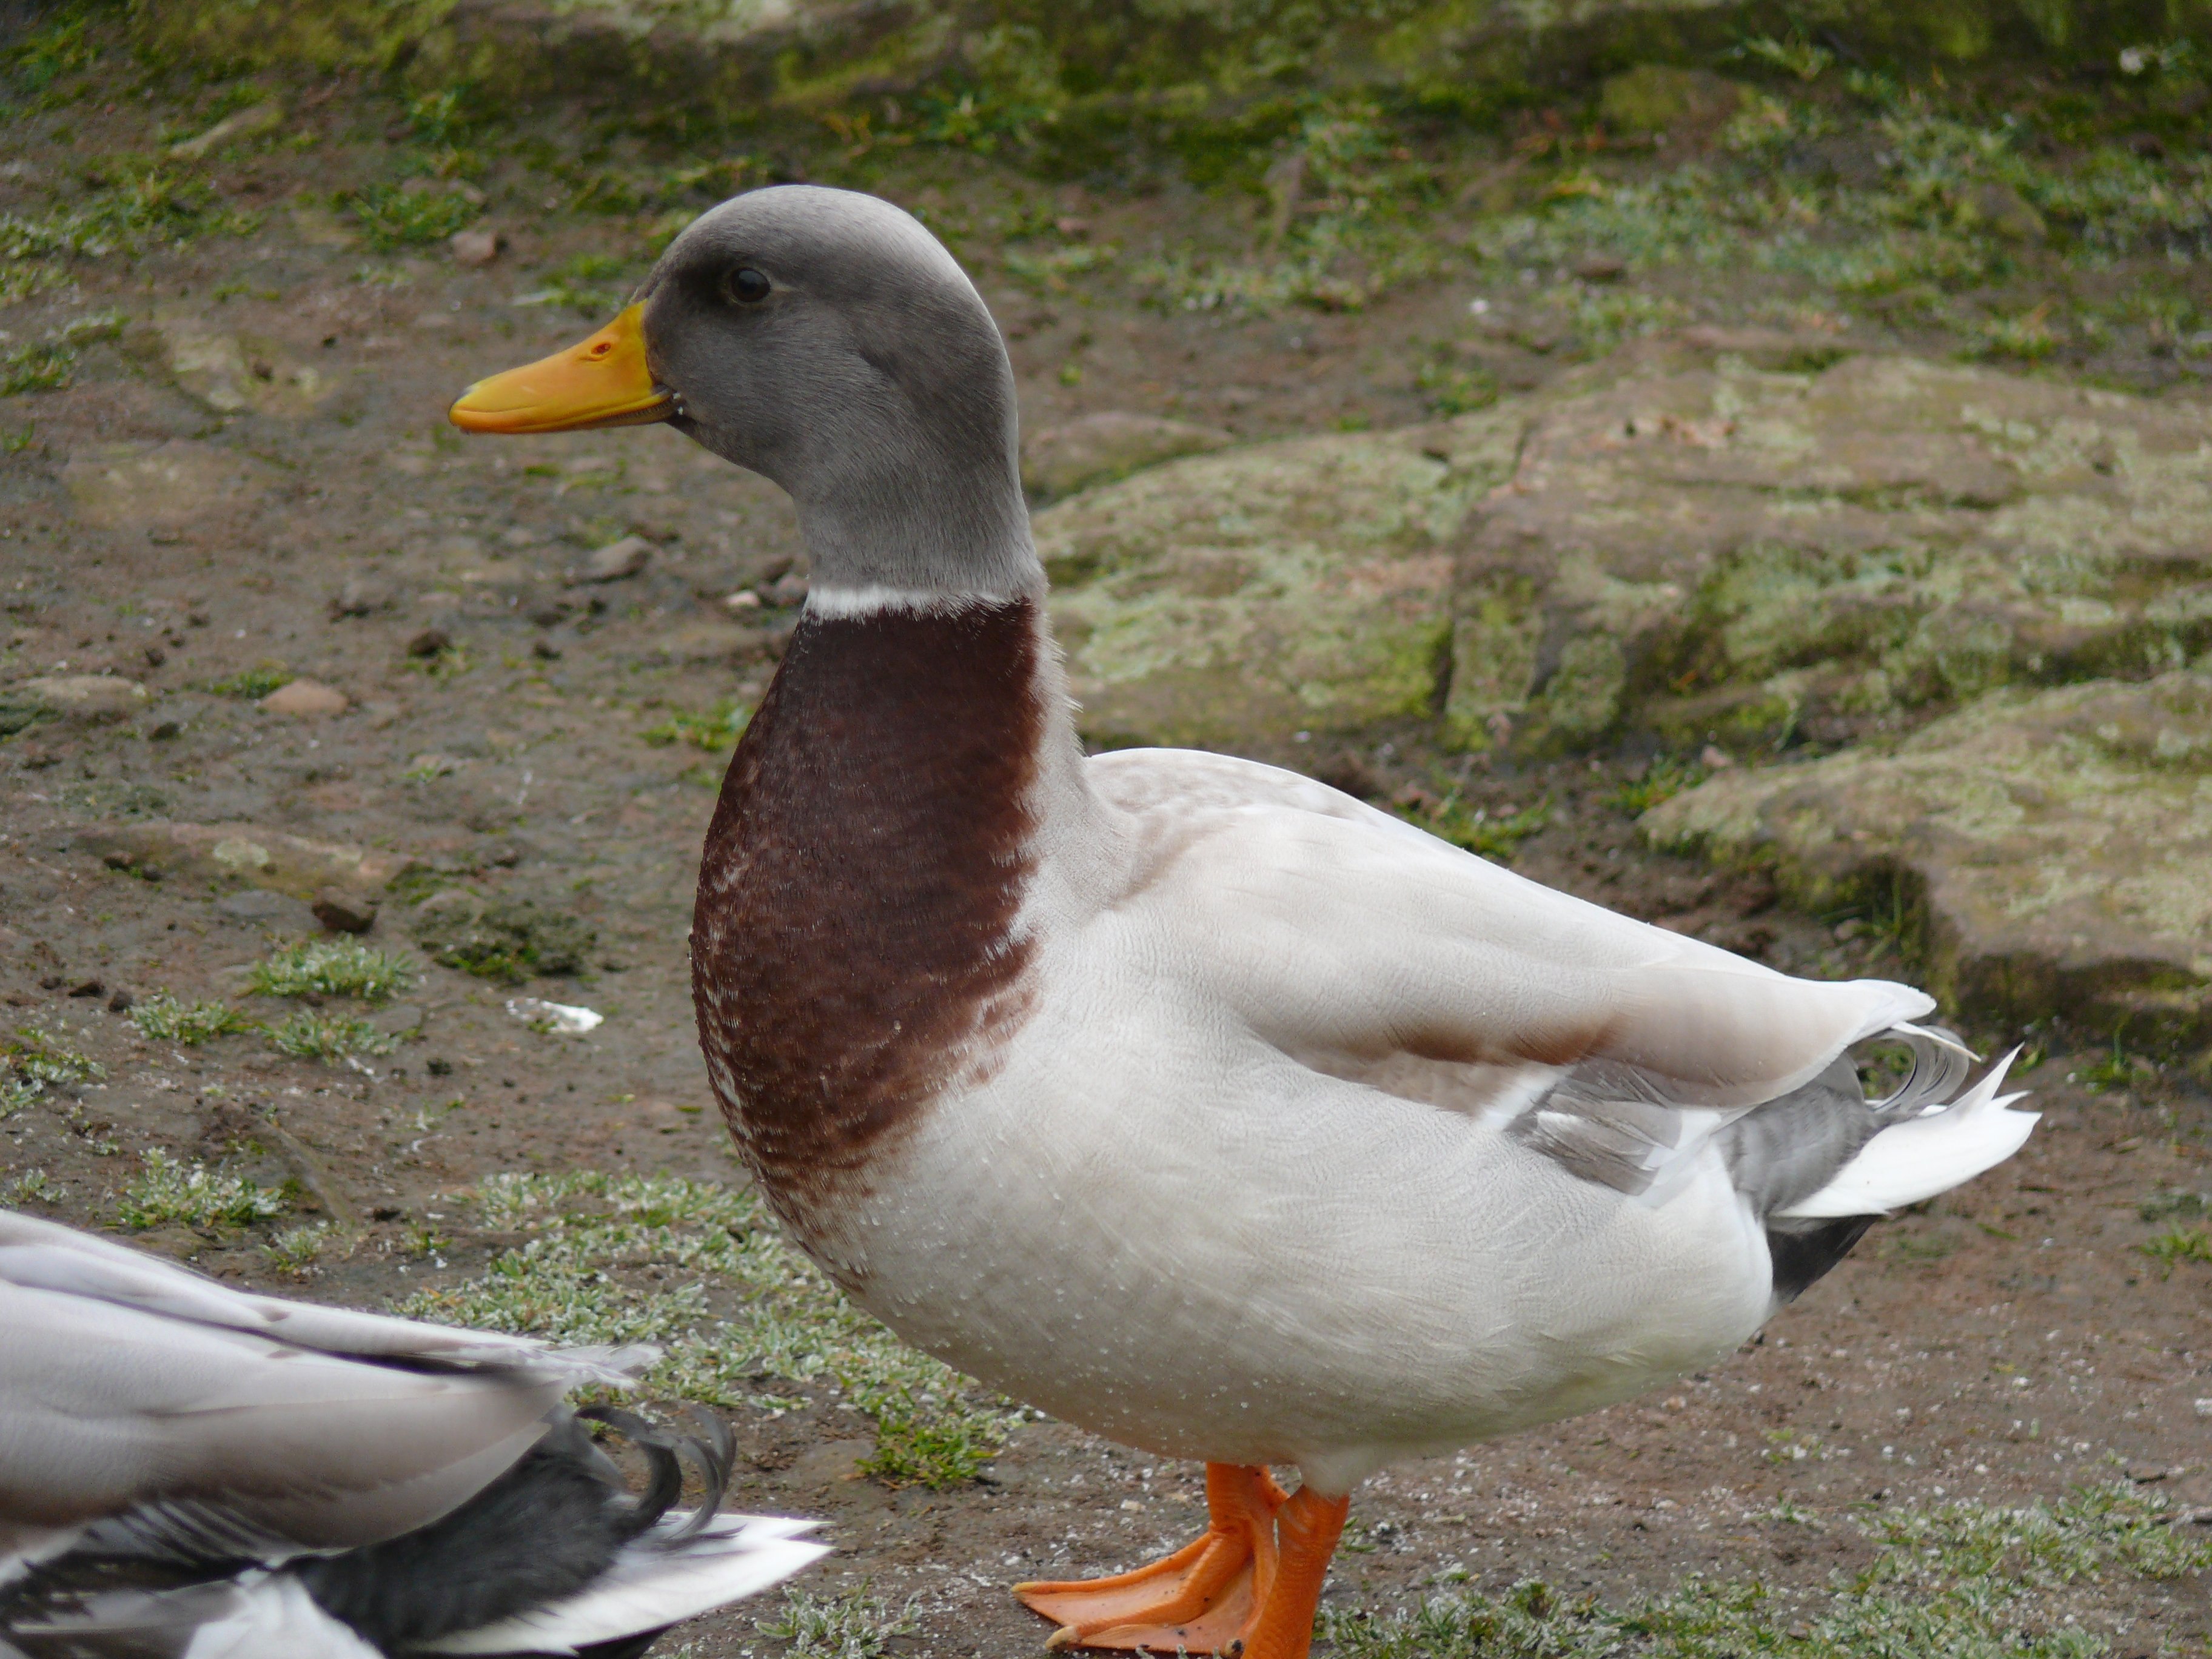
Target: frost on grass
column 309, row 1035
column 165, row 1190
column 168, row 1018
column 331, row 968
column 1963, row 1581
column 697, row 1268
column 854, row 1626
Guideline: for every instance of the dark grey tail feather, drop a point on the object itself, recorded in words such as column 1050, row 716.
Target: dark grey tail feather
column 1804, row 1251
column 545, row 1530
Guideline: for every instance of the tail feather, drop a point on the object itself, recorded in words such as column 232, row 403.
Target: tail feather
column 661, row 1578
column 1924, row 1155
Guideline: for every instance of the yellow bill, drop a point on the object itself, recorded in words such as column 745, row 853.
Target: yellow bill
column 604, row 381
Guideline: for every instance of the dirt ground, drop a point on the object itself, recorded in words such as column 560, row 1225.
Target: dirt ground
column 2008, row 1343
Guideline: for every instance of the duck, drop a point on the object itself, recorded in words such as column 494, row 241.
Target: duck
column 195, row 1470
column 1188, row 1100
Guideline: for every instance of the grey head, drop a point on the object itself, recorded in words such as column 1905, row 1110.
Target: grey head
column 827, row 341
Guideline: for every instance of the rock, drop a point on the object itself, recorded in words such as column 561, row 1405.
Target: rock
column 307, row 699
column 1232, row 600
column 2050, row 851
column 231, row 373
column 429, row 642
column 1709, row 552
column 249, row 123
column 787, row 589
column 344, row 911
column 615, row 562
column 1110, row 445
column 152, row 486
column 228, row 856
column 1659, row 97
column 279, row 912
column 88, row 699
column 475, row 248
column 364, row 596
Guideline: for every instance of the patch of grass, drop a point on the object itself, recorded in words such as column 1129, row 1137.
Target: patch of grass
column 1451, row 388
column 34, row 1187
column 165, row 1190
column 312, row 1034
column 854, row 1626
column 40, row 367
column 16, row 1093
column 2178, row 1244
column 748, row 1308
column 2162, row 1206
column 331, row 968
column 295, row 1249
column 1664, row 777
column 168, row 1018
column 251, row 684
column 506, row 940
column 41, row 1059
column 1968, row 1580
column 1475, row 829
column 714, row 731
column 392, row 216
column 593, row 284
column 128, row 205
column 2115, row 1069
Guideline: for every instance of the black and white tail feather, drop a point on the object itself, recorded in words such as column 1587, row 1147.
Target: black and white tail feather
column 190, row 1472
column 1816, row 1165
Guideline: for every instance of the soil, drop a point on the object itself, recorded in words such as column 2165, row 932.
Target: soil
column 2007, row 1342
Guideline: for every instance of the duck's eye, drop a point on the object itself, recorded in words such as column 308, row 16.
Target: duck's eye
column 746, row 286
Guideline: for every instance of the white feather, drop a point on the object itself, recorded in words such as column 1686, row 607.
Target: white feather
column 652, row 1584
column 1915, row 1160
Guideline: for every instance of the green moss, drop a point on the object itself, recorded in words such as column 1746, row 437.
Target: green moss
column 508, row 940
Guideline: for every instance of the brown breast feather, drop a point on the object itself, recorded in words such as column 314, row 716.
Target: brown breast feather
column 853, row 946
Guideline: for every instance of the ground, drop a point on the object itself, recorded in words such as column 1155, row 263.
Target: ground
column 227, row 465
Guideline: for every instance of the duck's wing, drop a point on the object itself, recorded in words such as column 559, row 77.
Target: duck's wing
column 1336, row 930
column 37, row 1254
column 1373, row 951
column 182, row 1437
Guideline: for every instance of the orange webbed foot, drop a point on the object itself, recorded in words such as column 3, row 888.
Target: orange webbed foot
column 1248, row 1586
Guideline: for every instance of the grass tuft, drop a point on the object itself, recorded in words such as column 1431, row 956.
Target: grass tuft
column 392, row 216
column 331, row 968
column 167, row 1018
column 294, row 1250
column 165, row 1190
column 311, row 1034
column 2176, row 1245
column 252, row 685
column 748, row 1308
column 39, row 1059
column 854, row 1626
column 714, row 731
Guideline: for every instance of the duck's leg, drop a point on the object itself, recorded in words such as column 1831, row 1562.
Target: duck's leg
column 1248, row 1586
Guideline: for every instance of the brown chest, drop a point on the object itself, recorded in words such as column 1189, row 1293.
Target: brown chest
column 854, row 944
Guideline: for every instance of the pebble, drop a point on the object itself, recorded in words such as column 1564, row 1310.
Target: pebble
column 343, row 912
column 789, row 589
column 475, row 248
column 744, row 599
column 363, row 596
column 429, row 642
column 278, row 911
column 614, row 561
column 307, row 699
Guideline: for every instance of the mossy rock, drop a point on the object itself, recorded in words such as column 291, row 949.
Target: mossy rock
column 2045, row 854
column 1234, row 600
column 1706, row 549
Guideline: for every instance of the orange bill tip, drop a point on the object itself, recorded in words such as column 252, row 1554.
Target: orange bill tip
column 603, row 381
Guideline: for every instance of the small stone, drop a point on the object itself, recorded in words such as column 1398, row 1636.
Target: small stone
column 788, row 589
column 307, row 699
column 343, row 912
column 121, row 1003
column 475, row 248
column 744, row 599
column 85, row 697
column 615, row 562
column 90, row 987
column 1713, row 758
column 2144, row 1474
column 429, row 642
column 363, row 596
column 1602, row 268
column 155, row 656
column 163, row 731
